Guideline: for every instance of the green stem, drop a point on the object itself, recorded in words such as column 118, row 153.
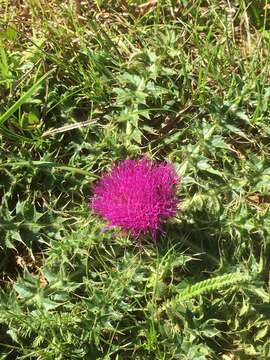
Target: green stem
column 50, row 165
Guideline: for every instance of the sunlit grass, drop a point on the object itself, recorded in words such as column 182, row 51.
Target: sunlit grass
column 83, row 86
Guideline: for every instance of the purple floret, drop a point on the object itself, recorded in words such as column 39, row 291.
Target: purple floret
column 137, row 196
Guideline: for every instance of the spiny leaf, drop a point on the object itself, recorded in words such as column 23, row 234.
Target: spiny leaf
column 211, row 285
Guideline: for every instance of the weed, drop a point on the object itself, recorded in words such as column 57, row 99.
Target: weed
column 83, row 86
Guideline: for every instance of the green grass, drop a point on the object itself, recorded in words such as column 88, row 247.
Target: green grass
column 84, row 86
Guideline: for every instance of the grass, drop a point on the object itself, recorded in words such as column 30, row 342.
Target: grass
column 85, row 84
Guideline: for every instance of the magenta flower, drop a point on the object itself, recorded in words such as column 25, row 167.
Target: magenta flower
column 137, row 196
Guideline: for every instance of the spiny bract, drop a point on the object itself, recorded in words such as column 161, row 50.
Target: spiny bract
column 137, row 195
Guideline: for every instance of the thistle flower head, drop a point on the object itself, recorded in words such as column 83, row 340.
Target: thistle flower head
column 137, row 196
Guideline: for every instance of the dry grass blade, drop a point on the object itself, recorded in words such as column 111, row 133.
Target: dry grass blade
column 145, row 7
column 68, row 128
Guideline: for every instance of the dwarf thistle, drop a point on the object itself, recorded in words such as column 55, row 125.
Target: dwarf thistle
column 137, row 196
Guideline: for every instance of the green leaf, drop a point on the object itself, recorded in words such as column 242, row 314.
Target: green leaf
column 211, row 285
column 205, row 166
column 262, row 333
column 23, row 99
column 23, row 290
column 241, row 115
column 237, row 131
column 137, row 136
column 11, row 33
column 48, row 164
column 4, row 68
